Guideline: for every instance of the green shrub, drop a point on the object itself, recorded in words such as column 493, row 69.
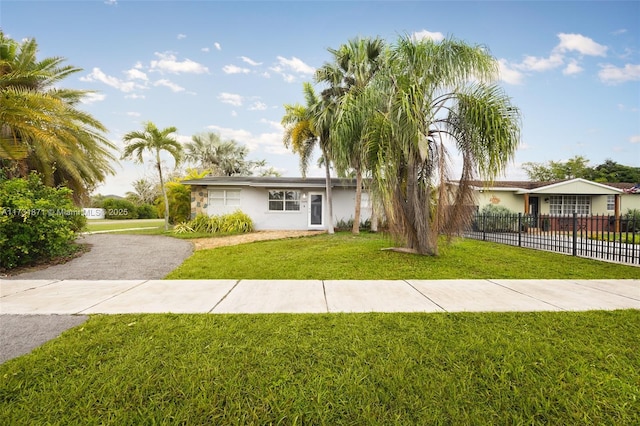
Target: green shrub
column 119, row 209
column 236, row 222
column 631, row 220
column 36, row 222
column 146, row 211
column 497, row 219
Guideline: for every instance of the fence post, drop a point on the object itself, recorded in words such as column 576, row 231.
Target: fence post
column 484, row 227
column 519, row 229
column 574, row 250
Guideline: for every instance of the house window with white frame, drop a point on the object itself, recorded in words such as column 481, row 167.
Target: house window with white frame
column 284, row 200
column 611, row 202
column 224, row 197
column 568, row 204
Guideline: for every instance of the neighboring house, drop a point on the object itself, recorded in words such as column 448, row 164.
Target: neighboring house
column 556, row 200
column 277, row 203
column 559, row 198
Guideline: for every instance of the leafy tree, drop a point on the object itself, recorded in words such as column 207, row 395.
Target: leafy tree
column 41, row 128
column 220, row 158
column 144, row 192
column 307, row 127
column 576, row 167
column 179, row 196
column 429, row 96
column 354, row 65
column 155, row 141
column 610, row 171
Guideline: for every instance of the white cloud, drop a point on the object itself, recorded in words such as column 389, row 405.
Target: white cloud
column 182, row 36
column 138, row 65
column 611, row 74
column 230, row 98
column 234, row 113
column 205, row 49
column 532, row 63
column 168, row 62
column 217, row 46
column 250, row 61
column 572, row 68
column 634, row 139
column 427, row 35
column 269, row 142
column 619, row 32
column 136, row 74
column 233, row 69
column 166, row 83
column 508, row 74
column 581, row 44
column 258, row 106
column 92, row 97
column 111, row 2
column 274, row 124
column 134, row 96
column 98, row 75
column 133, row 114
column 296, row 65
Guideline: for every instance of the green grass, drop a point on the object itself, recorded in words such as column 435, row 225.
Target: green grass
column 463, row 368
column 343, row 256
column 111, row 225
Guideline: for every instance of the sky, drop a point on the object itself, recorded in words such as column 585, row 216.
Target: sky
column 573, row 68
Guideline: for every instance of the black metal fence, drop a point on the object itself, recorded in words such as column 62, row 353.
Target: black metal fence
column 600, row 237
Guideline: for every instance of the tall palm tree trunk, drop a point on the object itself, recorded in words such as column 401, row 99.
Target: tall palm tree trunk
column 164, row 192
column 355, row 229
column 327, row 169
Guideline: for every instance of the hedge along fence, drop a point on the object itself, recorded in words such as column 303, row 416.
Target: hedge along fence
column 236, row 222
column 37, row 222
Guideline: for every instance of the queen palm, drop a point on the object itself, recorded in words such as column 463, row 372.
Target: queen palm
column 155, row 141
column 354, row 65
column 429, row 99
column 41, row 128
column 307, row 127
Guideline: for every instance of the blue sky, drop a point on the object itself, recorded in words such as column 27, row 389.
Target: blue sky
column 573, row 68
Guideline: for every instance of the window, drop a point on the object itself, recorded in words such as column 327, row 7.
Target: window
column 224, row 197
column 568, row 204
column 611, row 202
column 284, row 200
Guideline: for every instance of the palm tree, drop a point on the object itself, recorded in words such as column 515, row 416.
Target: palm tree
column 307, row 127
column 40, row 127
column 354, row 65
column 155, row 141
column 427, row 97
column 220, row 158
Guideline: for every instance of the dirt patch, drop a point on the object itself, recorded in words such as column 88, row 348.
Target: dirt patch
column 232, row 240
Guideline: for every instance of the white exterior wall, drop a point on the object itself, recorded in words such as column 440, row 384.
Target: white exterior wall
column 512, row 201
column 255, row 203
column 628, row 202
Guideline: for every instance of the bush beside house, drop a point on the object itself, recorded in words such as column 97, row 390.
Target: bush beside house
column 37, row 222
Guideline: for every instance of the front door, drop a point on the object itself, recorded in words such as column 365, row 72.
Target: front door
column 533, row 206
column 316, row 210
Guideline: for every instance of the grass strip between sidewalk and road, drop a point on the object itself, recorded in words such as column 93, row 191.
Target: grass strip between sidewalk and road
column 456, row 368
column 345, row 256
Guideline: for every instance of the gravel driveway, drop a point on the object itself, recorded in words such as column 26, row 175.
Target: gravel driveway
column 112, row 257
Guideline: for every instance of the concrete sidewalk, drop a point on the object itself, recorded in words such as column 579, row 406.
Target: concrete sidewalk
column 313, row 296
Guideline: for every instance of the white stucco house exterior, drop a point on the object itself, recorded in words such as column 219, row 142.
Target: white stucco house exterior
column 277, row 203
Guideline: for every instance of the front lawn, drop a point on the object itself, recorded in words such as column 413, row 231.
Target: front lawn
column 344, row 256
column 462, row 368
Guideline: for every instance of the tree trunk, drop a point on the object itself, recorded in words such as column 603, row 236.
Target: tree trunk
column 330, row 229
column 374, row 215
column 164, row 193
column 355, row 229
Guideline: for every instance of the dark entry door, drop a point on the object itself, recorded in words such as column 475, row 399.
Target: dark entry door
column 534, row 206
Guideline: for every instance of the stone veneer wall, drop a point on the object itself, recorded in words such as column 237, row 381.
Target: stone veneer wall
column 199, row 200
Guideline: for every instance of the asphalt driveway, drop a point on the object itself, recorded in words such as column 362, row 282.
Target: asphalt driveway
column 112, row 257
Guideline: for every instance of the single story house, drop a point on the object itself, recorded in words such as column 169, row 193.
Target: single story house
column 277, row 203
column 561, row 198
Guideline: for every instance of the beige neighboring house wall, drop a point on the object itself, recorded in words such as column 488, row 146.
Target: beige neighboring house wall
column 517, row 196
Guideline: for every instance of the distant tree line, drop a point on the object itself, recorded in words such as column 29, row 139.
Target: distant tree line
column 578, row 167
